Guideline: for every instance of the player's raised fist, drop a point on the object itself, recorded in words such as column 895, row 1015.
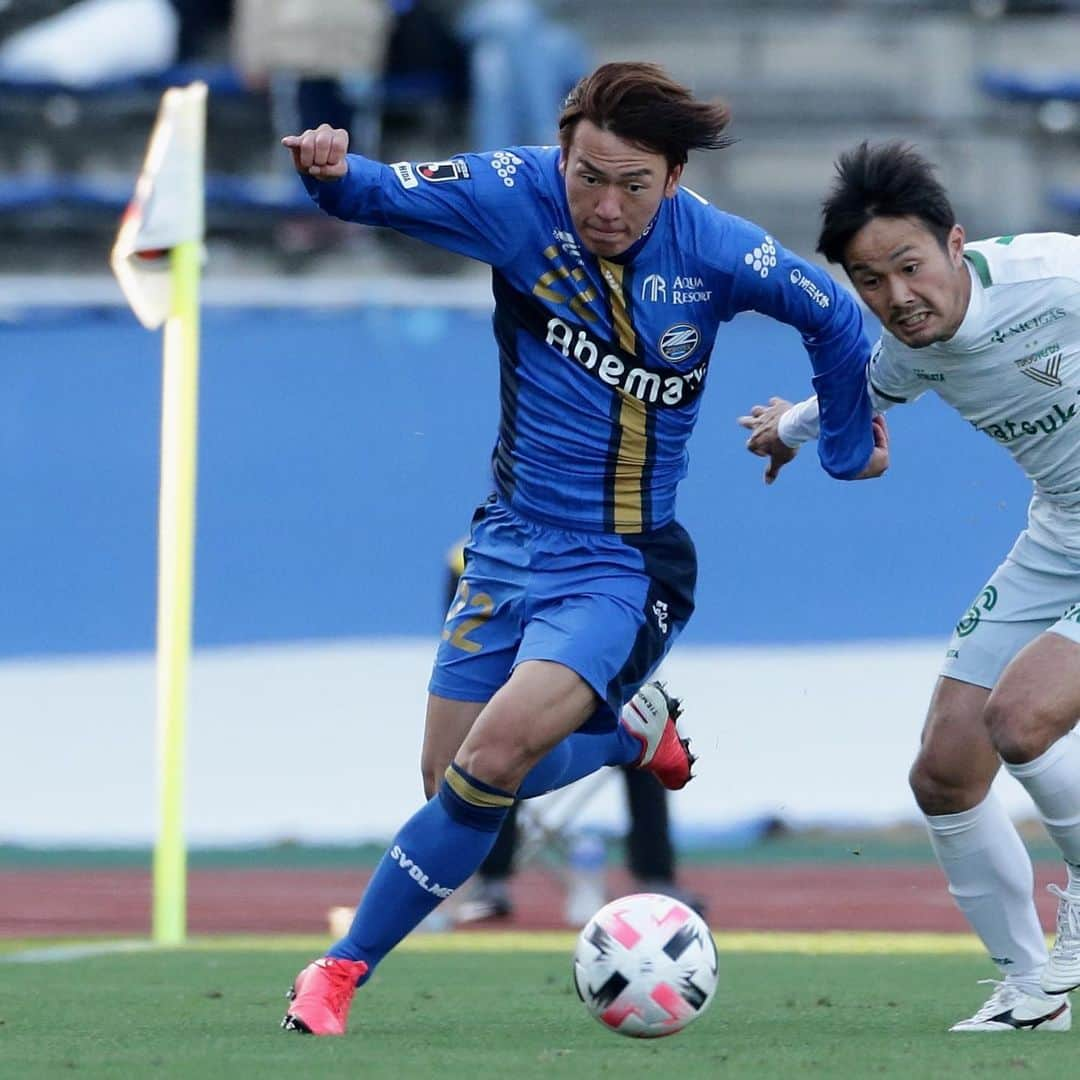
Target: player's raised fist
column 320, row 152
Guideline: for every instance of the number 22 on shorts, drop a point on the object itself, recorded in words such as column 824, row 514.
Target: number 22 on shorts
column 480, row 605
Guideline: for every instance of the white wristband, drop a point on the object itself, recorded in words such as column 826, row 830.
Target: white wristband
column 799, row 424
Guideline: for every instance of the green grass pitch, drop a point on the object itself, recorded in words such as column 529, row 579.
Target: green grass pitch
column 456, row 1009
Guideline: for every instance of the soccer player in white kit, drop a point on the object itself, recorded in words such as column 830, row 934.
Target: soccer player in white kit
column 993, row 328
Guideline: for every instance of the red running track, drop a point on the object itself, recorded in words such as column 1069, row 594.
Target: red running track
column 792, row 896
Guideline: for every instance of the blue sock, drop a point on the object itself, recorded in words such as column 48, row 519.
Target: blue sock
column 576, row 756
column 437, row 849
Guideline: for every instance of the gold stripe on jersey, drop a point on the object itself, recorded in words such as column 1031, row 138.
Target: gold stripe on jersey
column 542, row 290
column 631, row 452
column 583, row 296
column 630, row 464
column 613, row 275
column 580, row 297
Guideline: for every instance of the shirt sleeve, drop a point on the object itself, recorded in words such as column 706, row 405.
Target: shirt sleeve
column 777, row 283
column 1061, row 252
column 891, row 381
column 461, row 204
column 1026, row 257
column 800, row 424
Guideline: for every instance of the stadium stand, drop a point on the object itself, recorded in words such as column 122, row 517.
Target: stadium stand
column 803, row 84
column 1048, row 102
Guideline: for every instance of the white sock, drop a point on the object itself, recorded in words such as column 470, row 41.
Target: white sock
column 990, row 877
column 1053, row 782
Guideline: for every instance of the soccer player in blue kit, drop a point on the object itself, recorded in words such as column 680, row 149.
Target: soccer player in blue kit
column 610, row 282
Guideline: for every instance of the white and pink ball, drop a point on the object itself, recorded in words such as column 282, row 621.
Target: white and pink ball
column 645, row 965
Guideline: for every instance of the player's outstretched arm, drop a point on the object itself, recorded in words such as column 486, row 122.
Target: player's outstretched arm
column 766, row 437
column 319, row 153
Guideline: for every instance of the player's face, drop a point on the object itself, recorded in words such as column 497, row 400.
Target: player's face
column 919, row 290
column 614, row 188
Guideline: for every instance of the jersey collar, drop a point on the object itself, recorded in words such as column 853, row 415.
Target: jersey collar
column 635, row 248
column 969, row 334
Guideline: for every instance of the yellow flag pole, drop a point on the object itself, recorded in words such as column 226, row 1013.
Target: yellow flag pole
column 176, row 565
column 166, row 216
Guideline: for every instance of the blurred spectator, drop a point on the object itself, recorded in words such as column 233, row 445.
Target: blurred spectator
column 81, row 44
column 426, row 67
column 521, row 66
column 18, row 16
column 507, row 58
column 202, row 23
column 322, row 61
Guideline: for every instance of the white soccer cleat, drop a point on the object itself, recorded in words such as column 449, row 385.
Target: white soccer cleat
column 1062, row 972
column 650, row 717
column 1009, row 1008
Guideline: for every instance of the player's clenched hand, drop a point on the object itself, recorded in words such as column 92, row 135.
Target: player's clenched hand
column 763, row 422
column 320, row 153
column 879, row 457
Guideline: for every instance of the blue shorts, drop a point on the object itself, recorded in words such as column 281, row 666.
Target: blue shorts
column 604, row 605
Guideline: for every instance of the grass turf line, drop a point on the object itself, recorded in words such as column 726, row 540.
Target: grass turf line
column 206, row 1013
column 822, row 943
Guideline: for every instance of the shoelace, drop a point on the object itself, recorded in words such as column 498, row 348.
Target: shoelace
column 1068, row 923
column 342, row 985
column 1003, row 998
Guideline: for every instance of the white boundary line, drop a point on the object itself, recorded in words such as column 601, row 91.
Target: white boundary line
column 55, row 954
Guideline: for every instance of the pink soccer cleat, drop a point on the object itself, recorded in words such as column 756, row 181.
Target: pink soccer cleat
column 321, row 996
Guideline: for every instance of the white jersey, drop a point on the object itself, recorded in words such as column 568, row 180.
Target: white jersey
column 1012, row 370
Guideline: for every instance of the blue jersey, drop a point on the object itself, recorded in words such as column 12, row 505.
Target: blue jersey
column 603, row 361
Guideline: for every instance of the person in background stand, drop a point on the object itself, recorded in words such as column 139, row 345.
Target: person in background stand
column 321, row 61
column 522, row 64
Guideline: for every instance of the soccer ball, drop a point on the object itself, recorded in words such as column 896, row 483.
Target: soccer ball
column 645, row 966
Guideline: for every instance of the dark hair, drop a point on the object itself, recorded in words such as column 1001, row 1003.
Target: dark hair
column 890, row 179
column 641, row 103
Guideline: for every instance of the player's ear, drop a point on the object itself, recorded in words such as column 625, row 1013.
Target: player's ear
column 672, row 183
column 955, row 245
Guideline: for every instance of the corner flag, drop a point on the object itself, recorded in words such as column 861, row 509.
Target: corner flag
column 156, row 259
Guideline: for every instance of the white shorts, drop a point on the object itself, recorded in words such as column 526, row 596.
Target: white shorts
column 1034, row 590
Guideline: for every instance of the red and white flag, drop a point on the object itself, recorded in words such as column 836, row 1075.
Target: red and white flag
column 167, row 208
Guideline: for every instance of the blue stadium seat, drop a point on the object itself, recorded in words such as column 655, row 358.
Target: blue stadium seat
column 1066, row 200
column 1055, row 98
column 1034, row 87
column 224, row 81
column 223, row 193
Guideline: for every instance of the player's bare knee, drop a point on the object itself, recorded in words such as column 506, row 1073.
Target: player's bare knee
column 941, row 789
column 934, row 794
column 497, row 762
column 1019, row 730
